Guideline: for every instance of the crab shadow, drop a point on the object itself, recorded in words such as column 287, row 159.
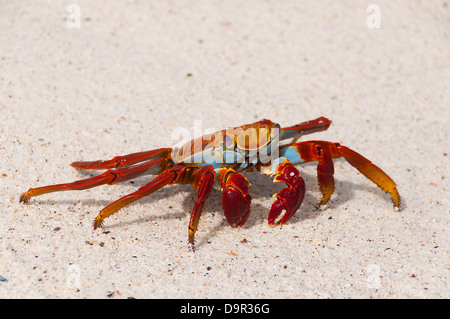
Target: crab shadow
column 261, row 187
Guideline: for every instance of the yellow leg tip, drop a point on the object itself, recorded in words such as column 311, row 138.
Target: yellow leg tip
column 396, row 199
column 98, row 222
column 191, row 244
column 25, row 197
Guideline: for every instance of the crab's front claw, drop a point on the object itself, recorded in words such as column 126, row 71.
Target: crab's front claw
column 289, row 198
column 236, row 200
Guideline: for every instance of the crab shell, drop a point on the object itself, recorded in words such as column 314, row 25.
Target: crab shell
column 234, row 147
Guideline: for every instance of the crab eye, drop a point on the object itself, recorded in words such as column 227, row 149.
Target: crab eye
column 275, row 131
column 228, row 141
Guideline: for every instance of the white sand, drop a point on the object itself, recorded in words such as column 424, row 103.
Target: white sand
column 119, row 84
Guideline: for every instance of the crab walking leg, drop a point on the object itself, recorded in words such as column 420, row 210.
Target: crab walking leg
column 169, row 176
column 324, row 152
column 235, row 198
column 308, row 127
column 204, row 180
column 123, row 161
column 109, row 177
column 325, row 172
column 372, row 172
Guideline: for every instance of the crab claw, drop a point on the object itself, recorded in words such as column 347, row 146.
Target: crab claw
column 236, row 200
column 289, row 198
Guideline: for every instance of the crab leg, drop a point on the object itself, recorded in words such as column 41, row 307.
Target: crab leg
column 289, row 198
column 109, row 177
column 169, row 176
column 325, row 172
column 324, row 152
column 308, row 127
column 123, row 161
column 372, row 172
column 204, row 181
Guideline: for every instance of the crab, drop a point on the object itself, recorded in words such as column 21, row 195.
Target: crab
column 217, row 161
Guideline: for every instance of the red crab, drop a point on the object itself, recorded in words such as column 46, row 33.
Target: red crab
column 217, row 160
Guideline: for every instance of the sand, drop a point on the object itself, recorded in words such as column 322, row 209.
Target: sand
column 126, row 76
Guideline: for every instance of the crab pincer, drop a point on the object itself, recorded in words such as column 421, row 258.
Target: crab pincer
column 289, row 198
column 236, row 199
